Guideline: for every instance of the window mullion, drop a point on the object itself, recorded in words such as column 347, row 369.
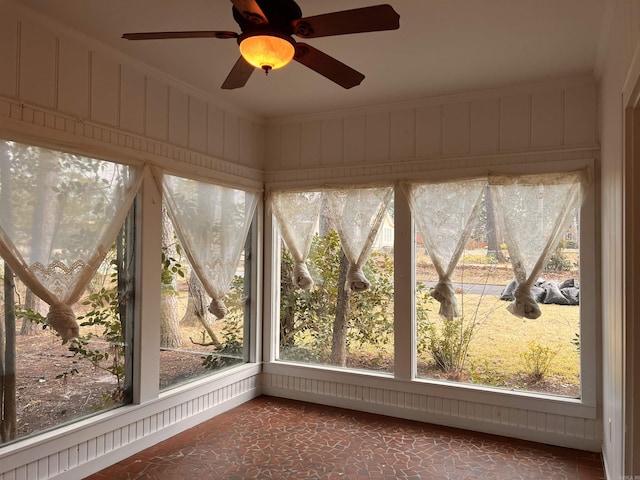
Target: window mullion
column 147, row 327
column 404, row 290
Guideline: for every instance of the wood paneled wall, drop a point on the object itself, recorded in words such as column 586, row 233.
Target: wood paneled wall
column 571, row 427
column 620, row 50
column 56, row 88
column 557, row 116
column 49, row 70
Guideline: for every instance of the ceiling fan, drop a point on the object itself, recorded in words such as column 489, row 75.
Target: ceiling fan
column 266, row 40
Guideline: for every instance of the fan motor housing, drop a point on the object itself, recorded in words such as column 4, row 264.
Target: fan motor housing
column 280, row 15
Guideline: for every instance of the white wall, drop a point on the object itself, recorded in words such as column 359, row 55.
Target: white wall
column 502, row 125
column 81, row 92
column 617, row 52
column 60, row 89
column 526, row 129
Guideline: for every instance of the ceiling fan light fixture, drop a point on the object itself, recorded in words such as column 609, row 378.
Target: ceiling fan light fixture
column 268, row 51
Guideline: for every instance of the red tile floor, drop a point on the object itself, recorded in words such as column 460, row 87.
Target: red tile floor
column 271, row 438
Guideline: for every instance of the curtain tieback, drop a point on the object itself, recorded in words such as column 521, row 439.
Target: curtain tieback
column 217, row 308
column 525, row 304
column 356, row 279
column 62, row 319
column 444, row 293
column 301, row 276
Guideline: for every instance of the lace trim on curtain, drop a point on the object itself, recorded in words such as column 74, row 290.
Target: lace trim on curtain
column 61, row 281
column 58, row 276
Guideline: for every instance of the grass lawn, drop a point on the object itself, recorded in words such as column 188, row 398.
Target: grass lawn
column 498, row 351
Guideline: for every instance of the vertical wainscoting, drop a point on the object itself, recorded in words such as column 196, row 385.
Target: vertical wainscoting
column 61, row 90
column 570, row 425
column 29, row 123
column 519, row 129
column 56, row 78
column 88, row 446
column 450, row 131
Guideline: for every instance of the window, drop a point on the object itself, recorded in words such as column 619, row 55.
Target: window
column 497, row 265
column 206, row 281
column 502, row 258
column 336, row 284
column 61, row 214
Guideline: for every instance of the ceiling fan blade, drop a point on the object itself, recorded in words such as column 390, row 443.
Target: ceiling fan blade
column 238, row 75
column 250, row 10
column 327, row 66
column 191, row 34
column 367, row 19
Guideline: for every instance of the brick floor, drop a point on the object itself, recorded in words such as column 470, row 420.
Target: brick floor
column 271, row 438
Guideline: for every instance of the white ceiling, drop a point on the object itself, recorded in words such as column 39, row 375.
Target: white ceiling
column 442, row 46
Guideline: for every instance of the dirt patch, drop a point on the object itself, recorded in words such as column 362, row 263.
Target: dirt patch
column 49, row 394
column 45, row 401
column 499, row 274
column 521, row 383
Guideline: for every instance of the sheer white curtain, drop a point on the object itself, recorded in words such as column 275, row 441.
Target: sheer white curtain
column 357, row 214
column 212, row 223
column 537, row 211
column 297, row 216
column 60, row 215
column 445, row 214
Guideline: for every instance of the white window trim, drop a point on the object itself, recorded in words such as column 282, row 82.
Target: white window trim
column 405, row 378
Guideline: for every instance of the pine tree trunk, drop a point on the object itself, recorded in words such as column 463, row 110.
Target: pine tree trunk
column 45, row 216
column 197, row 303
column 34, row 303
column 8, row 415
column 169, row 322
column 494, row 235
column 169, row 327
column 8, row 419
column 341, row 322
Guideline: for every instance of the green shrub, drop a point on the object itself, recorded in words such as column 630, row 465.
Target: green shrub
column 559, row 262
column 449, row 343
column 487, row 374
column 232, row 350
column 488, row 259
column 537, row 360
column 307, row 316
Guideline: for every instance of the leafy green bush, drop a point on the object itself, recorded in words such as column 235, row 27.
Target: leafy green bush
column 424, row 326
column 233, row 322
column 307, row 316
column 449, row 342
column 485, row 373
column 537, row 360
column 487, row 259
column 559, row 262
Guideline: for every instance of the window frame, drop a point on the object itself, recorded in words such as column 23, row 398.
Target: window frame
column 130, row 230
column 251, row 277
column 405, row 357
